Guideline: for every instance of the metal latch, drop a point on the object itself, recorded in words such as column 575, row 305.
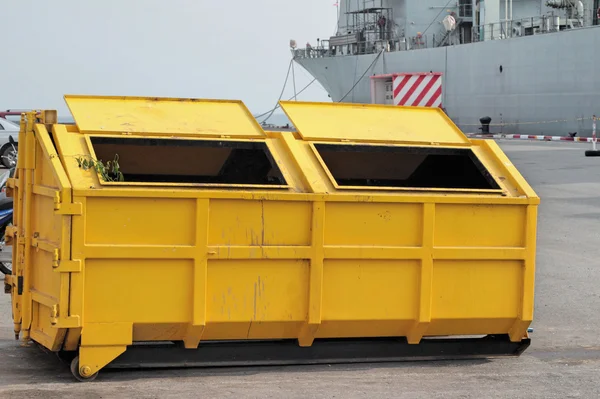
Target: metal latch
column 46, row 246
column 9, row 234
column 59, row 265
column 9, row 188
column 54, row 315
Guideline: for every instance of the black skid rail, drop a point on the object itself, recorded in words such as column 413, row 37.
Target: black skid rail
column 328, row 351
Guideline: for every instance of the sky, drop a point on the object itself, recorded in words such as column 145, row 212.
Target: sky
column 160, row 48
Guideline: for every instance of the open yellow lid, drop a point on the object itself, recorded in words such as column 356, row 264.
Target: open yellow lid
column 373, row 123
column 163, row 116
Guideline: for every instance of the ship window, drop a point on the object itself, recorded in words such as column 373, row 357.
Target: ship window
column 146, row 160
column 362, row 166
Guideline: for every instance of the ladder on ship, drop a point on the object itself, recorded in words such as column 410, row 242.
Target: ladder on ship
column 463, row 25
column 447, row 34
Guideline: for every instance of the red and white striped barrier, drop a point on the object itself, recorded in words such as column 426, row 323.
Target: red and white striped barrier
column 418, row 89
column 530, row 137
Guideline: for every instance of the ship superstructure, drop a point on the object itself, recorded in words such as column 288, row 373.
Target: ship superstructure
column 529, row 65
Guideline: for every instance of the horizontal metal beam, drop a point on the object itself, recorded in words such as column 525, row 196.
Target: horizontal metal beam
column 329, row 351
column 105, row 251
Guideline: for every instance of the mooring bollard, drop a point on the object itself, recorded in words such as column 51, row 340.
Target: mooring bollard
column 593, row 152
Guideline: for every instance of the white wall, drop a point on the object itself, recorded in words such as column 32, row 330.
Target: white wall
column 492, row 11
column 421, row 14
column 522, row 9
column 399, row 11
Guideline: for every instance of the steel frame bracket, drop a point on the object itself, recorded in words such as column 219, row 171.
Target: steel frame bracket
column 74, row 209
column 68, row 266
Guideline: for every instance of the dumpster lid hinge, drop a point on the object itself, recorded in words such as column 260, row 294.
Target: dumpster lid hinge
column 63, row 208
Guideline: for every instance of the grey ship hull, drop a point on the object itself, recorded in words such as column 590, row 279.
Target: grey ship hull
column 549, row 83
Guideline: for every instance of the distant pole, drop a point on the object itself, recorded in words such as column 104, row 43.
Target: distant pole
column 594, row 139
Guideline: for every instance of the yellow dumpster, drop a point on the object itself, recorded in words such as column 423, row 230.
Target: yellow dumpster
column 161, row 232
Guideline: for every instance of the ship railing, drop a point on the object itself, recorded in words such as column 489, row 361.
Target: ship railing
column 312, row 52
column 516, row 28
column 324, row 49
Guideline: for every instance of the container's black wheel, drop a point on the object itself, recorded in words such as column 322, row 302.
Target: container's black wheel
column 5, row 269
column 66, row 356
column 77, row 375
column 592, row 153
column 8, row 155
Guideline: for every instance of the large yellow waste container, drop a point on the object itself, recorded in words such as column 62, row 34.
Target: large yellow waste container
column 371, row 233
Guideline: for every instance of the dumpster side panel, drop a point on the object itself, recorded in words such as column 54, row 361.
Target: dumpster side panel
column 126, row 237
column 254, row 299
column 485, row 225
column 285, row 223
column 484, row 299
column 381, row 224
column 388, row 269
column 146, row 290
column 138, row 221
column 367, row 298
column 255, row 252
column 50, row 240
